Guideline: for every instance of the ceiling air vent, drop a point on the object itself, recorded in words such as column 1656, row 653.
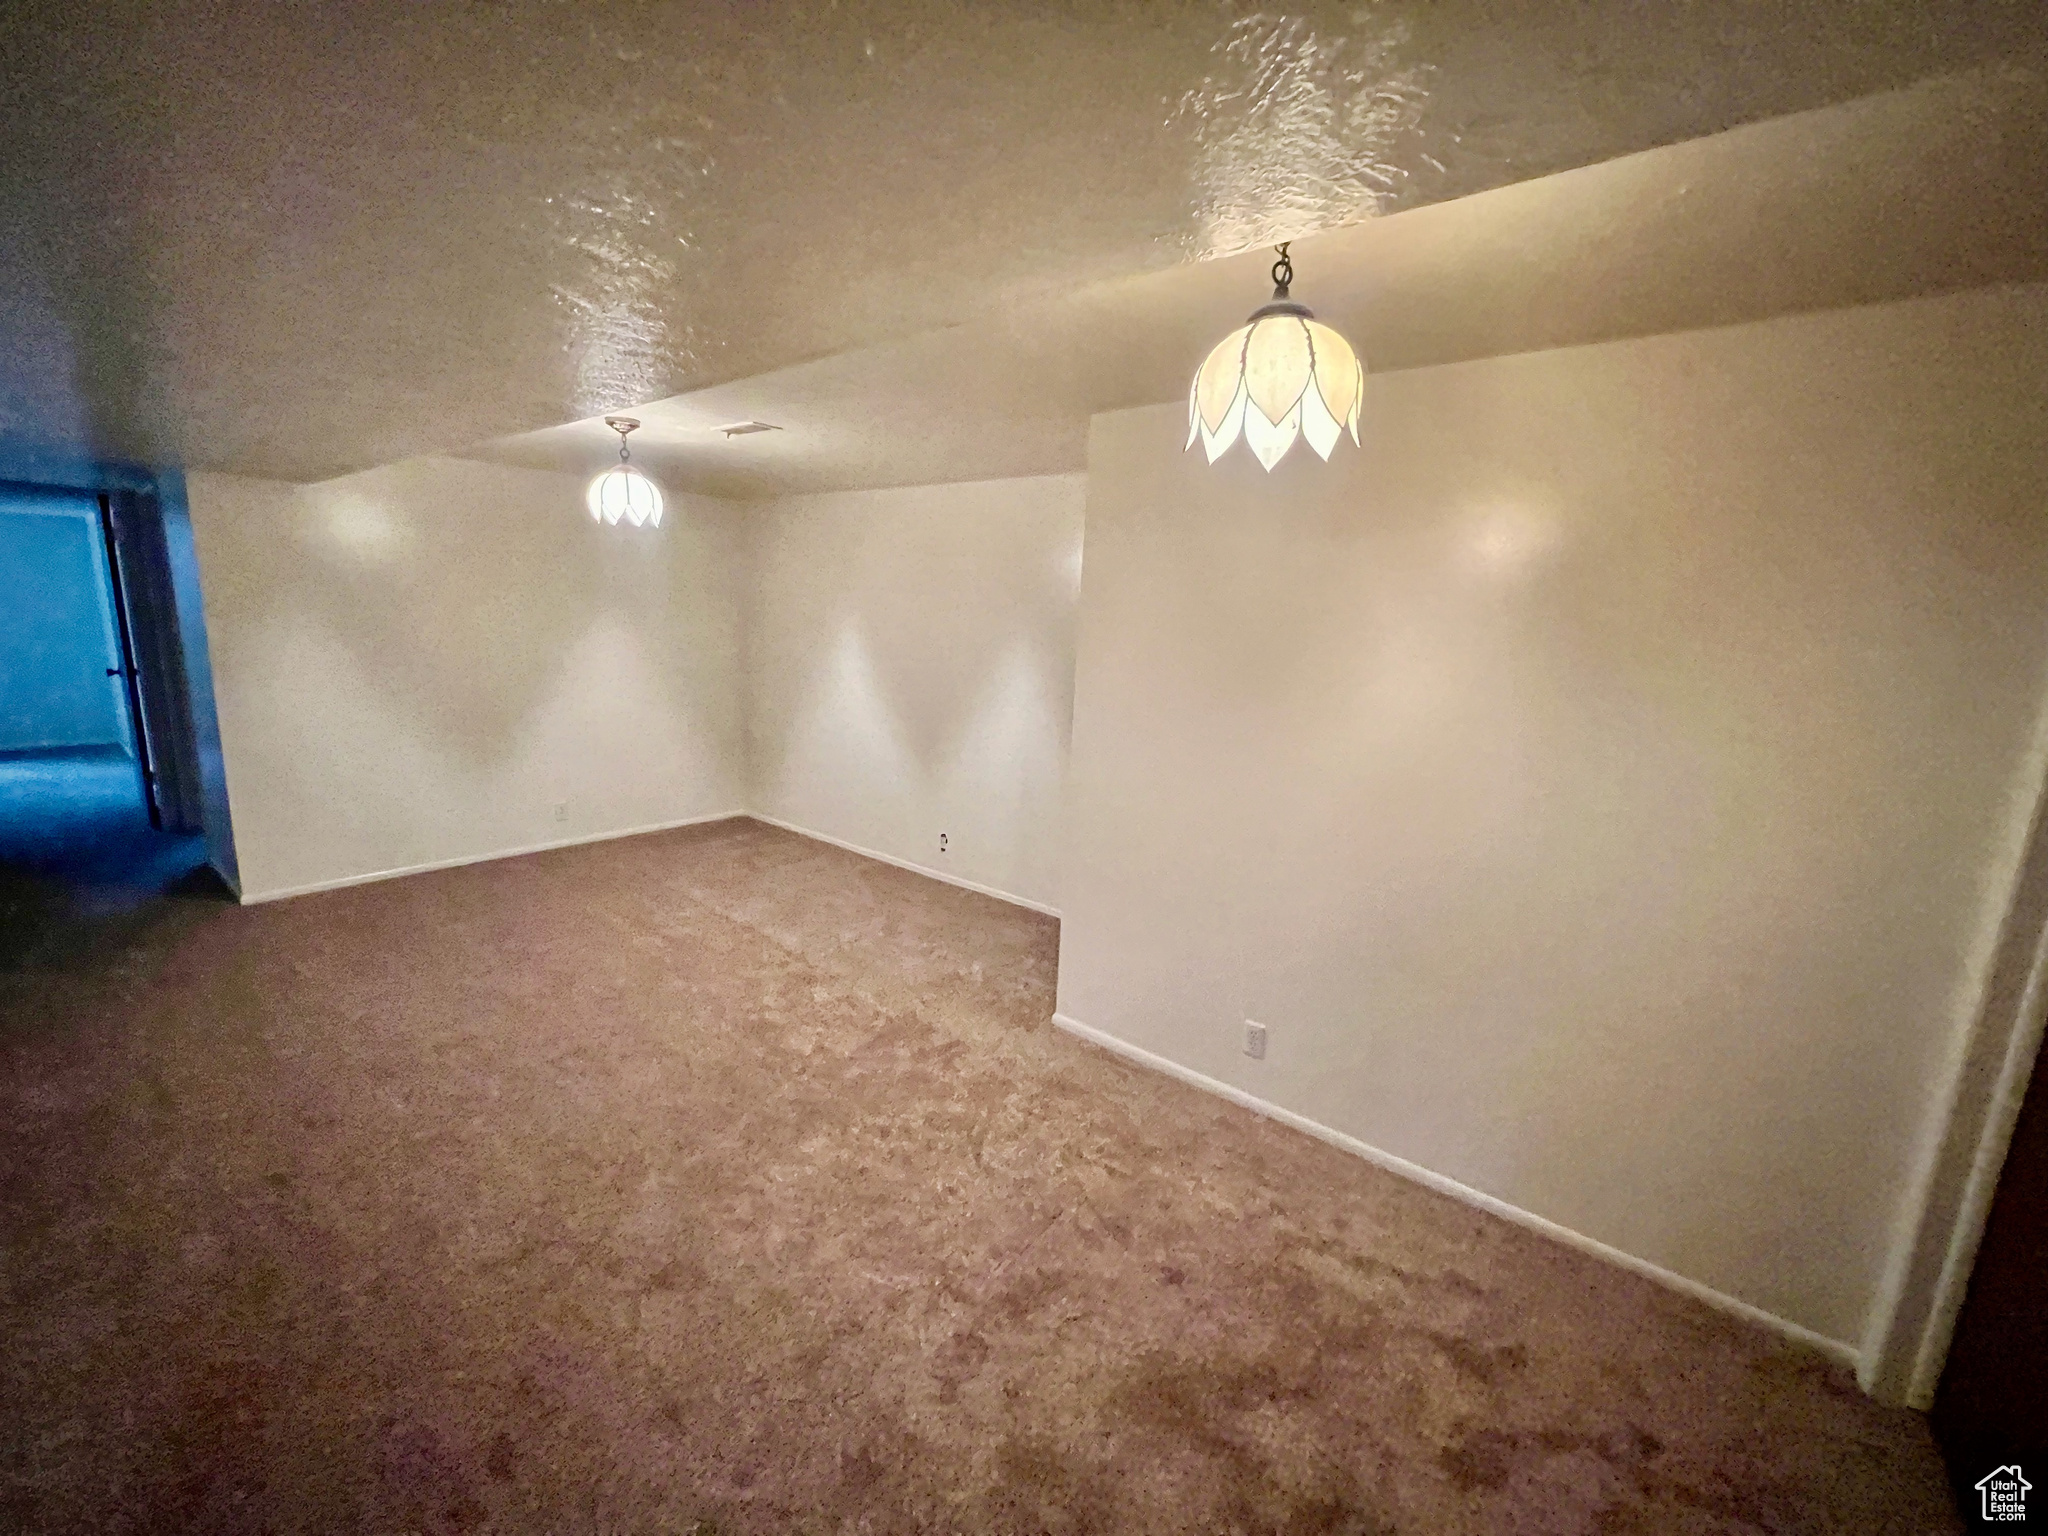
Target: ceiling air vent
column 747, row 428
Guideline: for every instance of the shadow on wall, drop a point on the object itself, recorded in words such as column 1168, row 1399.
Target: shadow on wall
column 456, row 562
column 442, row 660
column 910, row 672
column 934, row 666
column 999, row 698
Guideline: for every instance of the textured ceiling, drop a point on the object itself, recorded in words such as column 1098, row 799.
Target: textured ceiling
column 1918, row 191
column 298, row 239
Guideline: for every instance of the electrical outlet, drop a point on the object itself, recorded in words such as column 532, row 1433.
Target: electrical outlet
column 1255, row 1040
column 942, row 842
column 561, row 810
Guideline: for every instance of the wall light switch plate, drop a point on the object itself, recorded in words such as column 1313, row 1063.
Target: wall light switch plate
column 561, row 810
column 1255, row 1040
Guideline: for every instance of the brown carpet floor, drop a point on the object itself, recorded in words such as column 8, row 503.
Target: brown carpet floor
column 722, row 1181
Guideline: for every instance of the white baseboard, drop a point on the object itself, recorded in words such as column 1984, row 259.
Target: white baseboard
column 916, row 869
column 249, row 900
column 1834, row 1349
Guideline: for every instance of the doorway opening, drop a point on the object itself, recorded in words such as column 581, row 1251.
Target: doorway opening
column 101, row 804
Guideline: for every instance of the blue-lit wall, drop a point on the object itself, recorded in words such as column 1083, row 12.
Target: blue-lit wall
column 213, row 783
column 57, row 634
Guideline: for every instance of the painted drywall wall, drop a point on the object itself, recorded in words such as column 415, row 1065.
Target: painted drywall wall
column 910, row 672
column 60, row 637
column 1599, row 783
column 416, row 665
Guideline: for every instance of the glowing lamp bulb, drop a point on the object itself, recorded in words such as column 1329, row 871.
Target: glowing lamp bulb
column 624, row 492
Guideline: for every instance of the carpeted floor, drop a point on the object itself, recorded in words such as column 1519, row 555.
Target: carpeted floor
column 722, row 1181
column 76, row 846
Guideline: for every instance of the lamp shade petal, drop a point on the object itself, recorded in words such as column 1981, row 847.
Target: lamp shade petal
column 1217, row 380
column 1269, row 440
column 1338, row 377
column 1214, row 443
column 1317, row 424
column 1277, row 364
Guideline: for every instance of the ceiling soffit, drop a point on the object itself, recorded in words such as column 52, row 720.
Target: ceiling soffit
column 294, row 241
column 1924, row 190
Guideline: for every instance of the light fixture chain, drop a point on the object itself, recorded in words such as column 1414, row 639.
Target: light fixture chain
column 1283, row 271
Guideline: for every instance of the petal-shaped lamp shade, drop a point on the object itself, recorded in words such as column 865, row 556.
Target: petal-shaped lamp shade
column 1284, row 375
column 623, row 492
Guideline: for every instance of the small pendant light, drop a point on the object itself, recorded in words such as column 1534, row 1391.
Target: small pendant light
column 1281, row 375
column 622, row 491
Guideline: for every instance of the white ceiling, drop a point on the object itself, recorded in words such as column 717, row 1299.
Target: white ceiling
column 1918, row 191
column 300, row 239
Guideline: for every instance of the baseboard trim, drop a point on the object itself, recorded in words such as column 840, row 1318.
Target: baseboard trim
column 916, row 869
column 1834, row 1349
column 286, row 892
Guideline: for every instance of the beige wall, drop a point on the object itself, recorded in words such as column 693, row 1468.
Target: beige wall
column 910, row 672
column 1600, row 784
column 416, row 664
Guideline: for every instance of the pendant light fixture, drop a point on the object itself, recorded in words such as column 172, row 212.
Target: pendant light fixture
column 622, row 491
column 1283, row 374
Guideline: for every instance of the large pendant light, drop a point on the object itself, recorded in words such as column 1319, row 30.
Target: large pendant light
column 1283, row 374
column 622, row 491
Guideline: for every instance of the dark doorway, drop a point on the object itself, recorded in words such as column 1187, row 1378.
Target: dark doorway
column 99, row 797
column 1991, row 1410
